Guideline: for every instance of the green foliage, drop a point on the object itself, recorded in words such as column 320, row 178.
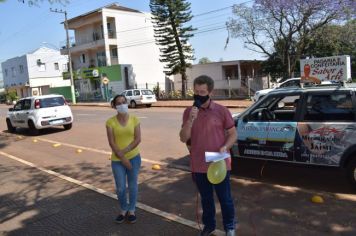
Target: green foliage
column 204, row 60
column 190, row 93
column 11, row 96
column 332, row 40
column 281, row 29
column 329, row 40
column 176, row 94
column 172, row 32
column 156, row 91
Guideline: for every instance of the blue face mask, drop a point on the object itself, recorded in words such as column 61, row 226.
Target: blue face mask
column 123, row 108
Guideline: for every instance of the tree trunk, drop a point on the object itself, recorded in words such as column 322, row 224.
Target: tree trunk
column 184, row 81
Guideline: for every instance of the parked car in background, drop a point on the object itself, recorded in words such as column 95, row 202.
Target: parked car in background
column 39, row 112
column 311, row 126
column 293, row 82
column 137, row 97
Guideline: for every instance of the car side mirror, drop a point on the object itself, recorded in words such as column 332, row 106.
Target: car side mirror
column 11, row 109
column 281, row 104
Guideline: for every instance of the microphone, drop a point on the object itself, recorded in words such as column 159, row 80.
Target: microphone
column 197, row 104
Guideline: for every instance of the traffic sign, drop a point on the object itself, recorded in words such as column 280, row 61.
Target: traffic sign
column 105, row 80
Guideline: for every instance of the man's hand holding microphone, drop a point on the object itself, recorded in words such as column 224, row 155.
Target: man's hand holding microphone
column 194, row 112
column 185, row 132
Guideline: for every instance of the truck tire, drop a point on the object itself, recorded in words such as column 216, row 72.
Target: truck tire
column 351, row 171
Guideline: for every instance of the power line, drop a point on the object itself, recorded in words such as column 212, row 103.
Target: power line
column 213, row 11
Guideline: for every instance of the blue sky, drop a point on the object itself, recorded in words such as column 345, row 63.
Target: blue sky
column 24, row 29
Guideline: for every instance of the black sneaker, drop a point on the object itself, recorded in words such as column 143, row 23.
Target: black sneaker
column 131, row 218
column 120, row 219
column 206, row 232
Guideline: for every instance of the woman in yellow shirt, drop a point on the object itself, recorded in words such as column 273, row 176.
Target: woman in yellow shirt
column 124, row 135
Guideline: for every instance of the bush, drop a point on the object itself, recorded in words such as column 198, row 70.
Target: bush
column 11, row 96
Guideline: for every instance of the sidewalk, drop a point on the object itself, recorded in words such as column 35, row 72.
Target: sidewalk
column 34, row 202
column 179, row 103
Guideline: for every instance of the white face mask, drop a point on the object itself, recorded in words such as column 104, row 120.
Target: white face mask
column 123, row 108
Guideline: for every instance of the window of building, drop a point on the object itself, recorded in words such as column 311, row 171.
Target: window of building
column 82, row 58
column 114, row 52
column 42, row 67
column 5, row 72
column 56, row 66
column 21, row 69
column 101, row 58
column 65, row 67
column 13, row 71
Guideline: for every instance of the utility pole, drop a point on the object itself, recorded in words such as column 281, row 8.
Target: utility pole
column 69, row 54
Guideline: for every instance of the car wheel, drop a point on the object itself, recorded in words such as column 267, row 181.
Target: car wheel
column 148, row 105
column 133, row 104
column 10, row 128
column 33, row 129
column 67, row 126
column 351, row 171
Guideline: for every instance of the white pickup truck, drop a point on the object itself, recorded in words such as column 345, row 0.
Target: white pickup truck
column 293, row 82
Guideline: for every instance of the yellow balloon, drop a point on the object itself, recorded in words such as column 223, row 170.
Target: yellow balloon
column 317, row 199
column 217, row 172
column 156, row 167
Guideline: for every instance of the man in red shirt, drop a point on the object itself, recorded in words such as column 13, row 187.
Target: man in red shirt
column 209, row 127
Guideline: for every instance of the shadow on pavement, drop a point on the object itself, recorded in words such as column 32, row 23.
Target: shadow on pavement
column 34, row 203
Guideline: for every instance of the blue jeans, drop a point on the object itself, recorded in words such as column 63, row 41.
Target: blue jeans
column 223, row 191
column 120, row 173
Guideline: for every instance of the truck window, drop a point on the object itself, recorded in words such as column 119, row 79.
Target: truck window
column 329, row 107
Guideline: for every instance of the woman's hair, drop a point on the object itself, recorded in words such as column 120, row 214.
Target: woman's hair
column 116, row 97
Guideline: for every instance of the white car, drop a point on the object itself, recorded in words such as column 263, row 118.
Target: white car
column 39, row 112
column 293, row 82
column 139, row 97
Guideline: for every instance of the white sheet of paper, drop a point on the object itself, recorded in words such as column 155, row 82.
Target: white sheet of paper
column 215, row 156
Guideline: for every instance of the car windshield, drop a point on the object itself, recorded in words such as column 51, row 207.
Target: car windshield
column 52, row 102
column 147, row 92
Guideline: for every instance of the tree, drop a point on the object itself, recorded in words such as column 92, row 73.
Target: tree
column 332, row 40
column 170, row 18
column 204, row 60
column 281, row 29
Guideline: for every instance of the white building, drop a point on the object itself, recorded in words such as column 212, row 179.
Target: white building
column 231, row 78
column 116, row 35
column 35, row 73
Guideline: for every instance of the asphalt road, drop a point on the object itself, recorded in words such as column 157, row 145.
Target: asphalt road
column 160, row 143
